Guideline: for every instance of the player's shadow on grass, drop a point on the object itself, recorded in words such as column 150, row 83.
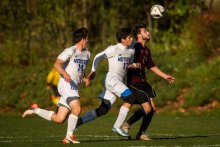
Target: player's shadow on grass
column 185, row 136
column 153, row 138
column 107, row 140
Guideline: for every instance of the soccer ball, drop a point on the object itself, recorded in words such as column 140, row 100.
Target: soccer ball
column 156, row 11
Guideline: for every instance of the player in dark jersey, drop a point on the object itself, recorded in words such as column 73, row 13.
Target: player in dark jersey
column 137, row 82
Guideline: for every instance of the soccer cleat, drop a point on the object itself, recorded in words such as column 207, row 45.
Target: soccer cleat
column 143, row 136
column 30, row 111
column 125, row 127
column 69, row 140
column 120, row 132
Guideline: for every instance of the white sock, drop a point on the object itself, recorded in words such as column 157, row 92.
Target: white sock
column 44, row 113
column 121, row 116
column 71, row 125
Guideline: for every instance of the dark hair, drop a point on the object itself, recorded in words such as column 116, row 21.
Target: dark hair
column 137, row 27
column 122, row 33
column 79, row 34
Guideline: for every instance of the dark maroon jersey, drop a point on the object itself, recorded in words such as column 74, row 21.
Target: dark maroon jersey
column 142, row 55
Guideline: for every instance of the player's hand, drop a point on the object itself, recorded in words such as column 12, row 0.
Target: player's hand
column 67, row 77
column 170, row 79
column 91, row 75
column 138, row 65
column 86, row 81
column 134, row 65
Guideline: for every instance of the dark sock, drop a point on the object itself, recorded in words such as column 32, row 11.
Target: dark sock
column 79, row 122
column 135, row 117
column 146, row 122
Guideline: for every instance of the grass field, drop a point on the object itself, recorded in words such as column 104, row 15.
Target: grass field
column 166, row 130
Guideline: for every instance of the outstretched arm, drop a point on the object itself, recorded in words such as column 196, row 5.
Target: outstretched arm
column 60, row 70
column 157, row 71
column 91, row 75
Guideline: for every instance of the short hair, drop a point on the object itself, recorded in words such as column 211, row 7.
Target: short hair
column 122, row 33
column 80, row 34
column 136, row 29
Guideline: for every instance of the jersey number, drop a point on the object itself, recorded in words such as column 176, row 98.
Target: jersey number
column 125, row 66
column 80, row 68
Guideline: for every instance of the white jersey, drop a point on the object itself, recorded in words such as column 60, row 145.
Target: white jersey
column 119, row 56
column 77, row 62
column 75, row 68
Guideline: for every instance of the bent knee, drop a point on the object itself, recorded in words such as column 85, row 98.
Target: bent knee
column 76, row 111
column 103, row 108
column 59, row 120
column 101, row 112
column 147, row 110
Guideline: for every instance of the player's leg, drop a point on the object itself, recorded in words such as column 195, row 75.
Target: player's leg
column 58, row 117
column 103, row 108
column 135, row 117
column 139, row 94
column 75, row 106
column 149, row 109
column 123, row 111
column 141, row 135
column 128, row 97
column 107, row 100
column 141, row 97
column 146, row 109
column 122, row 91
column 147, row 117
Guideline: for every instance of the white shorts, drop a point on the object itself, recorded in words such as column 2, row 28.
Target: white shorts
column 67, row 90
column 114, row 86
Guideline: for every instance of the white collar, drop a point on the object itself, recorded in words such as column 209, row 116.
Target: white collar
column 121, row 46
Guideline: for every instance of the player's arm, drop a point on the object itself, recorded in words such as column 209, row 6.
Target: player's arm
column 87, row 79
column 96, row 60
column 91, row 75
column 134, row 65
column 58, row 67
column 157, row 71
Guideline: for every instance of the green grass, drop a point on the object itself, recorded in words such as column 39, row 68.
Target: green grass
column 167, row 129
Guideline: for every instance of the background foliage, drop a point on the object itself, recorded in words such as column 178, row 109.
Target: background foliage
column 185, row 43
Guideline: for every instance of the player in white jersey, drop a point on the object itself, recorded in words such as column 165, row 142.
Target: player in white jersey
column 76, row 57
column 120, row 58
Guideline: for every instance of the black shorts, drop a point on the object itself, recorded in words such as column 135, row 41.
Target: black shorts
column 142, row 91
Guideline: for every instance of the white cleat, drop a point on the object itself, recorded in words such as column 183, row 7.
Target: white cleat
column 69, row 140
column 120, row 132
column 28, row 112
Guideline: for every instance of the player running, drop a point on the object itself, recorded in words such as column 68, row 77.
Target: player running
column 71, row 76
column 137, row 82
column 120, row 58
